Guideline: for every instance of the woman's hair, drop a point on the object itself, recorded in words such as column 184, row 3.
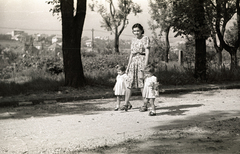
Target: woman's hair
column 121, row 68
column 137, row 25
column 149, row 68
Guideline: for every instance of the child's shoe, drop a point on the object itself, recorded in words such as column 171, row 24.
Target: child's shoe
column 152, row 113
column 143, row 109
column 116, row 109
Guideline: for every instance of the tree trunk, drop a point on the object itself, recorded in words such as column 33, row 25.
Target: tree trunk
column 167, row 47
column 71, row 36
column 200, row 42
column 219, row 57
column 116, row 42
column 234, row 61
column 200, row 59
column 218, row 50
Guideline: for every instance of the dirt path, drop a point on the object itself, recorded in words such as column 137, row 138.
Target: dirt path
column 185, row 123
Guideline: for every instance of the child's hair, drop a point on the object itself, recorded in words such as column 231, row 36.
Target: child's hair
column 121, row 68
column 149, row 68
column 137, row 25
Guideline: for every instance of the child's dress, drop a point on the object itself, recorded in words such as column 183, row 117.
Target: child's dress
column 120, row 86
column 148, row 89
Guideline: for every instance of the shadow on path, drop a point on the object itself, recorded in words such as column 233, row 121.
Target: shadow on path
column 213, row 133
column 56, row 109
column 176, row 110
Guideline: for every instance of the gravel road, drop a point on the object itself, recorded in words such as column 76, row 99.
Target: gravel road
column 183, row 121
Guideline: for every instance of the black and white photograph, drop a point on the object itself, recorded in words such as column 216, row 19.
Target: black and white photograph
column 119, row 76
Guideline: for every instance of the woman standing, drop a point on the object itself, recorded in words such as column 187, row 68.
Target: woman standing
column 137, row 61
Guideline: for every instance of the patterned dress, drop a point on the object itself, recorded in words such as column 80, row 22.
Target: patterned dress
column 120, row 85
column 148, row 90
column 137, row 63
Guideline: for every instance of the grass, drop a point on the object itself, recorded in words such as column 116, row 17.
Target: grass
column 37, row 84
column 33, row 80
column 99, row 70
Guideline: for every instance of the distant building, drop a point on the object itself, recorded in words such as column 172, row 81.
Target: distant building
column 89, row 43
column 39, row 37
column 17, row 32
column 19, row 35
column 38, row 45
column 30, row 49
column 55, row 49
column 57, row 39
column 102, row 37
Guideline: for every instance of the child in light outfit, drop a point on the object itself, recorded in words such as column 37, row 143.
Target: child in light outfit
column 150, row 90
column 120, row 86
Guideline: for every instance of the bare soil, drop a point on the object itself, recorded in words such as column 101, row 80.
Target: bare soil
column 189, row 123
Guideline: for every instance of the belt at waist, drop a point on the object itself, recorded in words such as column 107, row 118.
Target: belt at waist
column 135, row 54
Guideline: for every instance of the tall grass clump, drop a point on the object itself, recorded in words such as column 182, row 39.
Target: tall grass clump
column 173, row 74
column 222, row 74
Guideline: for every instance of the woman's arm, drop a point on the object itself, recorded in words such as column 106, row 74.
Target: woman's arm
column 146, row 56
column 147, row 50
column 129, row 62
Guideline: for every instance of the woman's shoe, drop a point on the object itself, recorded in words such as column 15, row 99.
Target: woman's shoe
column 124, row 107
column 129, row 106
column 143, row 109
column 151, row 113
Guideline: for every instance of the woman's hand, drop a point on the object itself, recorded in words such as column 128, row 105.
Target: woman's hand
column 126, row 71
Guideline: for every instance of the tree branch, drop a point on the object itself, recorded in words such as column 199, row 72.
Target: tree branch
column 219, row 34
column 238, row 23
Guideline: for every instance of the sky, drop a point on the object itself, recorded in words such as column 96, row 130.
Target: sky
column 33, row 16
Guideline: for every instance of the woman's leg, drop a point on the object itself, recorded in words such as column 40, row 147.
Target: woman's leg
column 144, row 107
column 145, row 101
column 128, row 95
column 127, row 98
column 142, row 93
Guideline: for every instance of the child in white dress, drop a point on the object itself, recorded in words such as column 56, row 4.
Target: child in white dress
column 120, row 85
column 150, row 90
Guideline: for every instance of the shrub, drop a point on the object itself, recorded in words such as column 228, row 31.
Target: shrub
column 86, row 54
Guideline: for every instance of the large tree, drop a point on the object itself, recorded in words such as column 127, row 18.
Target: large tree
column 115, row 19
column 189, row 19
column 72, row 26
